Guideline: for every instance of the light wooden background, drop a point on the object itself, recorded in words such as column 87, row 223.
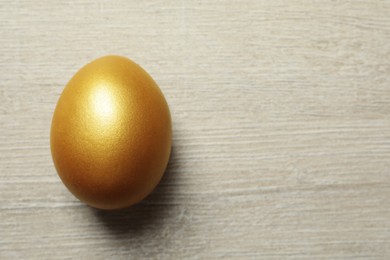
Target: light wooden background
column 281, row 114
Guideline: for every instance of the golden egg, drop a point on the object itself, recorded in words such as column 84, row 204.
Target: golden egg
column 111, row 133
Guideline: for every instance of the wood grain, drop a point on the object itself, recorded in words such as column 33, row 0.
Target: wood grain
column 281, row 128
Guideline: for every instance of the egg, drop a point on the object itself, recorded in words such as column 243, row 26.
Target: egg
column 111, row 133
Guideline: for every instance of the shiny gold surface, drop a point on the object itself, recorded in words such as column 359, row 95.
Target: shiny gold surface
column 111, row 133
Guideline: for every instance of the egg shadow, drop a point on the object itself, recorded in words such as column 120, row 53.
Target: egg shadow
column 151, row 213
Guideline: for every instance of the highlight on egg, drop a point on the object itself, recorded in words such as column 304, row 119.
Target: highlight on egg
column 111, row 133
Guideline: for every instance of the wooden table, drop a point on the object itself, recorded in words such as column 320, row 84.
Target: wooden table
column 281, row 114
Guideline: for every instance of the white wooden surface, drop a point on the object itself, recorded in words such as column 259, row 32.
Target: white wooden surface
column 281, row 128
